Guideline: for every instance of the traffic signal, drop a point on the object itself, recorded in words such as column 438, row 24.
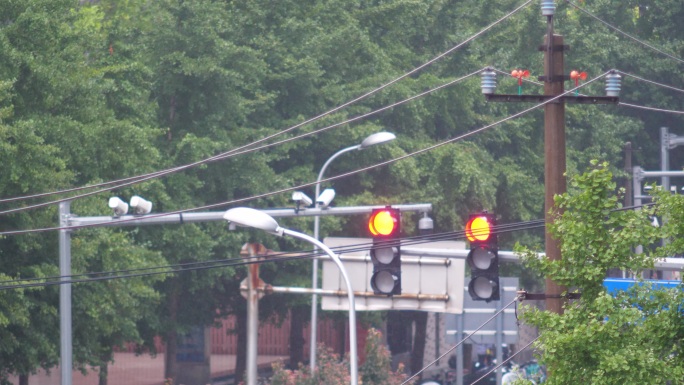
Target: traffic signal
column 483, row 257
column 385, row 227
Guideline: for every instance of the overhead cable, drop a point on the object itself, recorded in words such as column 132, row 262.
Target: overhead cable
column 651, row 108
column 328, row 179
column 243, row 150
column 505, row 361
column 20, row 283
column 624, row 33
column 408, row 380
column 651, row 81
column 140, row 178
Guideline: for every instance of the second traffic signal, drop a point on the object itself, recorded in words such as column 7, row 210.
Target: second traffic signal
column 483, row 257
column 385, row 227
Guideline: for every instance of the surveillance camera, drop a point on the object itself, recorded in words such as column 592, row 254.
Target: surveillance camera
column 425, row 225
column 140, row 206
column 120, row 207
column 301, row 199
column 326, row 197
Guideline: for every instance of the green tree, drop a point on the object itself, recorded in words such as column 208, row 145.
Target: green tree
column 58, row 130
column 632, row 338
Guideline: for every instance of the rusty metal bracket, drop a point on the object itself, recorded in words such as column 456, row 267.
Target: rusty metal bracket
column 524, row 295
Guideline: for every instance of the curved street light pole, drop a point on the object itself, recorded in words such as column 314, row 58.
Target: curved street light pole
column 353, row 361
column 314, row 275
column 249, row 217
column 371, row 140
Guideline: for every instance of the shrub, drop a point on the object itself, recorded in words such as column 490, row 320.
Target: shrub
column 331, row 370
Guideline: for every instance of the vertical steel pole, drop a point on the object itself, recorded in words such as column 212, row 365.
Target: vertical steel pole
column 499, row 342
column 314, row 275
column 65, row 336
column 636, row 186
column 629, row 190
column 665, row 180
column 252, row 318
column 460, row 319
column 665, row 157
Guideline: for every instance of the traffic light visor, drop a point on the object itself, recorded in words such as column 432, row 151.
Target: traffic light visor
column 383, row 223
column 478, row 229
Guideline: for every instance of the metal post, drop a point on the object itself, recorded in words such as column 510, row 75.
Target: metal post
column 460, row 319
column 314, row 275
column 664, row 157
column 637, row 173
column 65, row 351
column 353, row 355
column 554, row 151
column 499, row 341
column 438, row 335
column 252, row 318
column 629, row 192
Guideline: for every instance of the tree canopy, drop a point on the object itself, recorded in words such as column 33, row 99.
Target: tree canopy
column 95, row 91
column 632, row 337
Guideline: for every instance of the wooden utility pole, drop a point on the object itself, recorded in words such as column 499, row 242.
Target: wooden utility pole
column 554, row 132
column 554, row 152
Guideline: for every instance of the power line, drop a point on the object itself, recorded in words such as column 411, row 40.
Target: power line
column 340, row 176
column 651, row 108
column 276, row 257
column 459, row 343
column 624, row 33
column 505, row 361
column 242, row 261
column 140, row 178
column 651, row 81
column 236, row 152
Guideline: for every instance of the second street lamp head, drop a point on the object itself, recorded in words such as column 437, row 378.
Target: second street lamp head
column 377, row 138
column 248, row 217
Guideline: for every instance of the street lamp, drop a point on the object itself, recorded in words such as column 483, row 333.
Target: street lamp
column 371, row 140
column 248, row 217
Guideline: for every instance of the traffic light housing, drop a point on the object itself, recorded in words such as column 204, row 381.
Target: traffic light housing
column 385, row 228
column 483, row 257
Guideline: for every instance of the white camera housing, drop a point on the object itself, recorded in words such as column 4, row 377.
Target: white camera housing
column 325, row 198
column 120, row 207
column 140, row 206
column 301, row 199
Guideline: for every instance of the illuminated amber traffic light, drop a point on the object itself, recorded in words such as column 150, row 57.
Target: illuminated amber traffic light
column 483, row 257
column 385, row 227
column 384, row 222
column 479, row 228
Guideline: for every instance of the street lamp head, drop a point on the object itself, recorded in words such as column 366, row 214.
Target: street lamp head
column 248, row 217
column 377, row 138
